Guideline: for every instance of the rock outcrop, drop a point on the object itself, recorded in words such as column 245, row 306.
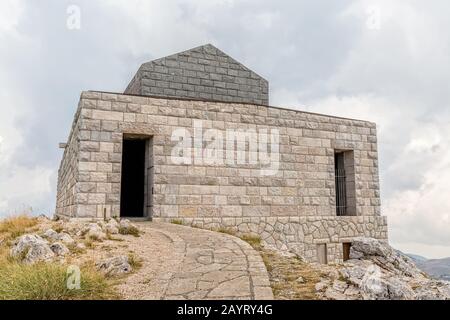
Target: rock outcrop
column 115, row 266
column 63, row 237
column 93, row 231
column 376, row 271
column 59, row 249
column 112, row 227
column 31, row 248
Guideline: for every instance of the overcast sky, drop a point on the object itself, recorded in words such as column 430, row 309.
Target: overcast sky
column 383, row 61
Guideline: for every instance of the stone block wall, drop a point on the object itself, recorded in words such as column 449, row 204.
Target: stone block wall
column 68, row 171
column 204, row 72
column 291, row 210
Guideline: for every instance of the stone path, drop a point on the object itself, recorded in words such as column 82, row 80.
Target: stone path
column 180, row 262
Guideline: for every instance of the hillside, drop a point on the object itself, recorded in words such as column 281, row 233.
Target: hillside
column 437, row 268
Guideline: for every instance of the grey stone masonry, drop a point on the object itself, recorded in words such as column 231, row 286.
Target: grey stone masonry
column 293, row 209
column 203, row 72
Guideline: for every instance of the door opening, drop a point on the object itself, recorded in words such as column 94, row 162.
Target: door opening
column 346, row 250
column 135, row 179
column 322, row 255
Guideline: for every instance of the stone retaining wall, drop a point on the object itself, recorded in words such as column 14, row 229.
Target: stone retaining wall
column 300, row 235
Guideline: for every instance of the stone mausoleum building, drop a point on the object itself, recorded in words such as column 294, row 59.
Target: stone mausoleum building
column 193, row 138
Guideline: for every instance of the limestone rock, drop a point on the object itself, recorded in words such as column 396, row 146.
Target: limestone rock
column 80, row 246
column 66, row 239
column 50, row 234
column 384, row 255
column 322, row 285
column 433, row 290
column 376, row 271
column 126, row 227
column 300, row 280
column 115, row 266
column 93, row 231
column 31, row 248
column 112, row 227
column 59, row 249
column 362, row 246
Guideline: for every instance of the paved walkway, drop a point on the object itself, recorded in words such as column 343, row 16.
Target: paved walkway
column 180, row 262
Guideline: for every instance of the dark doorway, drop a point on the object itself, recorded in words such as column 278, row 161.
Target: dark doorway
column 132, row 192
column 346, row 250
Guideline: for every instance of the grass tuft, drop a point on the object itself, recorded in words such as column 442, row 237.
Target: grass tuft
column 254, row 241
column 176, row 221
column 109, row 236
column 132, row 230
column 226, row 230
column 48, row 281
column 89, row 243
column 134, row 261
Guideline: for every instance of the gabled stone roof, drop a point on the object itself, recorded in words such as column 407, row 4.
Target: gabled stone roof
column 203, row 72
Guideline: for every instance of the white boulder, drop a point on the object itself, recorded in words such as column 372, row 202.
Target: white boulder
column 93, row 231
column 376, row 271
column 112, row 227
column 59, row 249
column 31, row 248
column 126, row 227
column 115, row 266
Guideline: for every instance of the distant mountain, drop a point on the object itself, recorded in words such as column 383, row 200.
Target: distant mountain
column 437, row 268
column 416, row 258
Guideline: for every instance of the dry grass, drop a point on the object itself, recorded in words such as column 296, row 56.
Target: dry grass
column 130, row 230
column 109, row 236
column 48, row 281
column 89, row 243
column 134, row 261
column 43, row 281
column 16, row 226
column 254, row 241
column 176, row 221
column 285, row 272
column 226, row 231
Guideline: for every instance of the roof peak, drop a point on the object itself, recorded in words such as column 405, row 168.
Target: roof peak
column 204, row 72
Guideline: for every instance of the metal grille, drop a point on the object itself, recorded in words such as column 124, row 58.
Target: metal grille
column 340, row 183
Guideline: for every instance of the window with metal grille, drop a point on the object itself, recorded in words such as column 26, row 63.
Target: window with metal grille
column 340, row 183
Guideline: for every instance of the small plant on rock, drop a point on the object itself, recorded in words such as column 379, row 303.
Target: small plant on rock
column 226, row 231
column 254, row 241
column 131, row 230
column 176, row 221
column 134, row 261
